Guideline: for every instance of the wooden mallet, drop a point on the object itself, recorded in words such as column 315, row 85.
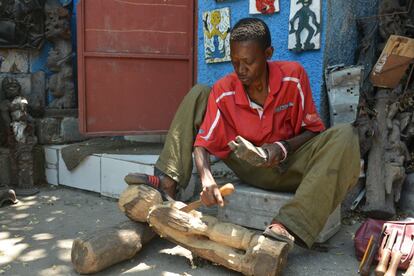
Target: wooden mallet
column 225, row 190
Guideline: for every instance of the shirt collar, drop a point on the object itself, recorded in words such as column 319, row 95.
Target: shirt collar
column 275, row 82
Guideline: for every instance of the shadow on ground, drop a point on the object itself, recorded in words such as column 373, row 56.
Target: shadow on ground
column 36, row 237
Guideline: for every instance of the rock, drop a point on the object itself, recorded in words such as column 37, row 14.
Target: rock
column 48, row 131
column 37, row 96
column 5, row 167
column 69, row 130
column 58, row 129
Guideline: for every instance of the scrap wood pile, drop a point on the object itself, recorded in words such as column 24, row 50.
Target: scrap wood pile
column 387, row 99
column 227, row 244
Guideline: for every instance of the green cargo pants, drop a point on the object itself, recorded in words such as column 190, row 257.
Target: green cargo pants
column 320, row 172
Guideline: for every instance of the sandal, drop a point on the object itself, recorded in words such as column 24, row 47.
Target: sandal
column 278, row 232
column 151, row 180
column 142, row 178
column 7, row 196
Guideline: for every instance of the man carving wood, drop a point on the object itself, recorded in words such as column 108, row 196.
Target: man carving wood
column 267, row 103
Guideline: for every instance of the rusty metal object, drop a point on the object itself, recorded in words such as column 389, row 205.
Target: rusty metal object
column 343, row 85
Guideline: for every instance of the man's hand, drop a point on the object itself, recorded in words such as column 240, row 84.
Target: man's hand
column 210, row 195
column 275, row 155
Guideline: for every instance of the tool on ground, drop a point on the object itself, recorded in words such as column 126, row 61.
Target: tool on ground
column 225, row 190
column 386, row 254
column 365, row 265
column 370, row 253
column 358, row 199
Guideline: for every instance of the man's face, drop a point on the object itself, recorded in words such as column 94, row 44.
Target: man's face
column 249, row 60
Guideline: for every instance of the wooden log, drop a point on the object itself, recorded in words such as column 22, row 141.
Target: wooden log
column 136, row 201
column 109, row 246
column 230, row 245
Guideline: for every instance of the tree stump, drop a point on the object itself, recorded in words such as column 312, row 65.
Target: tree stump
column 109, row 246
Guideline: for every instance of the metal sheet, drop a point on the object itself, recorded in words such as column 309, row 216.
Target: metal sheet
column 343, row 85
column 135, row 64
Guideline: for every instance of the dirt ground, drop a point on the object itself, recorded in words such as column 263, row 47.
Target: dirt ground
column 36, row 237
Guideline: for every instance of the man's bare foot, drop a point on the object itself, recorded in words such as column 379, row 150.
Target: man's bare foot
column 278, row 232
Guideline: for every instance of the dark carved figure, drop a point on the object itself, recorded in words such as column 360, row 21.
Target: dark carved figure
column 21, row 138
column 57, row 23
column 21, row 23
column 304, row 15
column 61, row 85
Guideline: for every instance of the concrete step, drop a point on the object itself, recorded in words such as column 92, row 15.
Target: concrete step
column 255, row 208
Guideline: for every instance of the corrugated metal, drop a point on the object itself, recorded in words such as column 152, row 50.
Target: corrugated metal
column 135, row 63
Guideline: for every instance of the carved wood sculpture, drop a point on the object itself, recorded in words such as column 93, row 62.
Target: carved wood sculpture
column 386, row 172
column 230, row 245
column 109, row 246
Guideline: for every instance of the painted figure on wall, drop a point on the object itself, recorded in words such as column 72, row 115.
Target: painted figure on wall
column 263, row 6
column 308, row 25
column 216, row 35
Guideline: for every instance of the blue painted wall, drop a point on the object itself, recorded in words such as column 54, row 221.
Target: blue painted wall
column 279, row 27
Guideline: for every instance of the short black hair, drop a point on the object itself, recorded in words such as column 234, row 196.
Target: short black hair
column 247, row 29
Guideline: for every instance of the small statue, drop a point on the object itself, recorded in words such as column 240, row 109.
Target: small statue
column 20, row 136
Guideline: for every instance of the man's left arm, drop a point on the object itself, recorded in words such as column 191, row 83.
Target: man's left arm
column 306, row 124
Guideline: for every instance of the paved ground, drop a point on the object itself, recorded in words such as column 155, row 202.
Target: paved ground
column 36, row 237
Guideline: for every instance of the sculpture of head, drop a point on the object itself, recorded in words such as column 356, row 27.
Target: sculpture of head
column 10, row 87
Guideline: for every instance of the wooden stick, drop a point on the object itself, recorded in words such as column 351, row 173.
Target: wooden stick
column 225, row 190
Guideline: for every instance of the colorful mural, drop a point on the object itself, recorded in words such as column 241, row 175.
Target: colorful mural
column 216, row 27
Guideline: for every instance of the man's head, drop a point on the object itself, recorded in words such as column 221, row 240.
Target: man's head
column 250, row 47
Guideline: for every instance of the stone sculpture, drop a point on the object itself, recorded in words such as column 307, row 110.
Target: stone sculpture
column 20, row 136
column 61, row 85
